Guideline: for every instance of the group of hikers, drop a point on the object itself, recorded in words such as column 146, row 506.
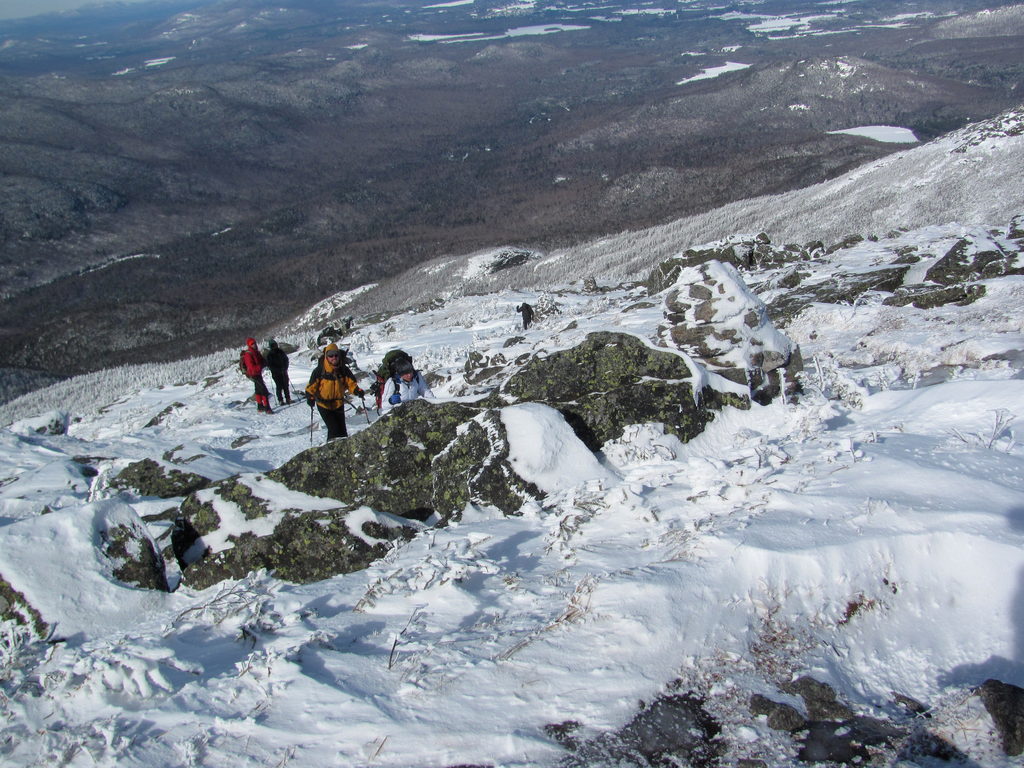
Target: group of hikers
column 332, row 382
column 252, row 363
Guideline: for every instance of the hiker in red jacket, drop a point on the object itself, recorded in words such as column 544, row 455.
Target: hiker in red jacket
column 252, row 364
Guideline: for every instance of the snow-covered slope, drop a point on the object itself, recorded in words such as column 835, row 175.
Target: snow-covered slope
column 869, row 535
column 968, row 176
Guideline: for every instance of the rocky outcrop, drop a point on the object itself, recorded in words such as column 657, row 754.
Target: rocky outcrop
column 238, row 526
column 127, row 544
column 1005, row 704
column 424, row 460
column 673, row 730
column 104, row 541
column 150, row 478
column 712, row 316
column 966, row 262
column 613, row 380
column 929, row 297
column 349, row 499
column 14, row 606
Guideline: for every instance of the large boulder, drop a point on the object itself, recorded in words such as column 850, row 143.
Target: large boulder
column 613, row 380
column 15, row 607
column 424, row 459
column 135, row 560
column 968, row 261
column 151, row 478
column 338, row 507
column 713, row 316
column 1005, row 704
column 249, row 523
column 673, row 730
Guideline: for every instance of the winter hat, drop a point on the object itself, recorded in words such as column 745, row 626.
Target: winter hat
column 272, row 344
column 250, row 342
column 404, row 367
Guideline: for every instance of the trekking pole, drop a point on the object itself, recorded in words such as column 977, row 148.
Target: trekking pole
column 365, row 413
column 311, row 426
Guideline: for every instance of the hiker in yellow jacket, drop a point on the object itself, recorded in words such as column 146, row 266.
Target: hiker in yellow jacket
column 329, row 384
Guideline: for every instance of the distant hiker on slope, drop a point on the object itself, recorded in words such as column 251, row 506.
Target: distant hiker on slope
column 527, row 311
column 277, row 362
column 251, row 364
column 406, row 384
column 329, row 384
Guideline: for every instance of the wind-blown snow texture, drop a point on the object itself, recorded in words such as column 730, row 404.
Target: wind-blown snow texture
column 870, row 534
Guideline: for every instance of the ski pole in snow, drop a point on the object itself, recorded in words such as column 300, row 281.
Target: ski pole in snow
column 356, row 410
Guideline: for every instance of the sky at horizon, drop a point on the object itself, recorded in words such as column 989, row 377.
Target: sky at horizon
column 19, row 9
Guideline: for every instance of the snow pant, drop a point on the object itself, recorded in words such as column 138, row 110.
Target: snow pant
column 334, row 420
column 262, row 395
column 281, row 384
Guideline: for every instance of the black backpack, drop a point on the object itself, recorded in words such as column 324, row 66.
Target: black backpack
column 387, row 371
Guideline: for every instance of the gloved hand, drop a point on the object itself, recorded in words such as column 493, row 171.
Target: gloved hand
column 395, row 399
column 310, row 402
column 358, row 392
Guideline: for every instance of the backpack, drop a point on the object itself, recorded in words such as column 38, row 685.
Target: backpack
column 387, row 371
column 241, row 363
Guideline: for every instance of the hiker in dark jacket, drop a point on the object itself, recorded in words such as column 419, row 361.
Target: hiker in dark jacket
column 277, row 362
column 253, row 364
column 329, row 384
column 527, row 311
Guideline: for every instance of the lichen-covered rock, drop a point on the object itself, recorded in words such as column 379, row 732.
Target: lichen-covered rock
column 847, row 242
column 15, row 607
column 852, row 742
column 387, row 466
column 150, row 478
column 301, row 546
column 50, row 423
column 1005, row 704
column 927, row 297
column 1016, row 229
column 424, row 461
column 480, row 367
column 741, row 251
column 613, row 380
column 475, row 468
column 819, row 698
column 251, row 522
column 713, row 316
column 134, row 557
column 839, row 288
column 781, row 716
column 968, row 261
column 673, row 730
